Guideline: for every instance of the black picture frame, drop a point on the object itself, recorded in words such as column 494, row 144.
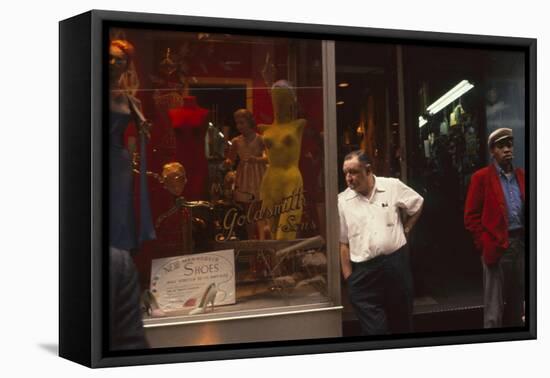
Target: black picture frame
column 82, row 271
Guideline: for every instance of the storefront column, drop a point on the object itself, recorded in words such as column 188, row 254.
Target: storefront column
column 331, row 170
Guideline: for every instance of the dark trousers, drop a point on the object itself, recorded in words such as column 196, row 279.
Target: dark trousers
column 381, row 293
column 504, row 287
column 126, row 326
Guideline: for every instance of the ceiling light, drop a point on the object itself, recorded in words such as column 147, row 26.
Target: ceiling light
column 457, row 91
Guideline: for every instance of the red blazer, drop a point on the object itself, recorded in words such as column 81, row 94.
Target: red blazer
column 485, row 212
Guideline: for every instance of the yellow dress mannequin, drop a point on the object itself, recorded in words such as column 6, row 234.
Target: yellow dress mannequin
column 283, row 179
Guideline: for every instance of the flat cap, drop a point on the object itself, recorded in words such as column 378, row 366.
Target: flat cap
column 498, row 135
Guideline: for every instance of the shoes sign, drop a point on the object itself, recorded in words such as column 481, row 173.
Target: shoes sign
column 193, row 284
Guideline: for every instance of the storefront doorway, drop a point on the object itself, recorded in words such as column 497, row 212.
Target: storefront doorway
column 384, row 93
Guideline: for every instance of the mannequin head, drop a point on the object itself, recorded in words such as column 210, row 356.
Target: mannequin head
column 284, row 101
column 174, row 177
column 120, row 58
column 244, row 120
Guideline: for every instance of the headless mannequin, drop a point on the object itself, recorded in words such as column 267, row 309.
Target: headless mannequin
column 283, row 179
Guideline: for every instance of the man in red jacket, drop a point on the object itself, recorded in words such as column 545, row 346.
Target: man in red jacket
column 494, row 214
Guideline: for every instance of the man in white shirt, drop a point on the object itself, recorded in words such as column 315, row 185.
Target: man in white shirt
column 373, row 239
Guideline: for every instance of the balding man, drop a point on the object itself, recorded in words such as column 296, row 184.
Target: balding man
column 375, row 262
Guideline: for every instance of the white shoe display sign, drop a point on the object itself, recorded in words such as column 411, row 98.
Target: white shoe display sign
column 194, row 283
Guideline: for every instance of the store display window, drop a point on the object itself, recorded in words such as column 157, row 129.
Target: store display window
column 216, row 158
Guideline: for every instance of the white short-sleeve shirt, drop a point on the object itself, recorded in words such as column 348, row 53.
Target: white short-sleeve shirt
column 372, row 226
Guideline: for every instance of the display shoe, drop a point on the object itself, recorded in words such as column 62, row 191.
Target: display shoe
column 151, row 304
column 207, row 298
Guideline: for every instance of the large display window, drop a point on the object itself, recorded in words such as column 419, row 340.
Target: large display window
column 217, row 172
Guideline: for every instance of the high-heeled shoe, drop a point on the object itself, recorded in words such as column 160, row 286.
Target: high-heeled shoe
column 207, row 298
column 151, row 304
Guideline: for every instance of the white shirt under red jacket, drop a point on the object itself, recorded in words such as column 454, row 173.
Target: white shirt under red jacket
column 372, row 226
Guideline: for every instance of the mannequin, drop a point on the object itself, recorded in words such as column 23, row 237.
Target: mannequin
column 125, row 108
column 174, row 223
column 283, row 180
column 189, row 122
column 175, row 226
column 250, row 150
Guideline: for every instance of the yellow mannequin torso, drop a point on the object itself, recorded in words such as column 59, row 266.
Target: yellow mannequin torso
column 282, row 178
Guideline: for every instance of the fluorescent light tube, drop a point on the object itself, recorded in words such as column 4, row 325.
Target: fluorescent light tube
column 457, row 91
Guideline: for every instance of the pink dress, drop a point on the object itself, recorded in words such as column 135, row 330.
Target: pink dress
column 249, row 172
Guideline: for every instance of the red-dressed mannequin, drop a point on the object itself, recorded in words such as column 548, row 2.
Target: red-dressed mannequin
column 189, row 123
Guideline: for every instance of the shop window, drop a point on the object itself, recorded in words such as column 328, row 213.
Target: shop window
column 217, row 187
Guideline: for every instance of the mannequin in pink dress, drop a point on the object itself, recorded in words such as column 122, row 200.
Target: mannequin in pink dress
column 250, row 150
